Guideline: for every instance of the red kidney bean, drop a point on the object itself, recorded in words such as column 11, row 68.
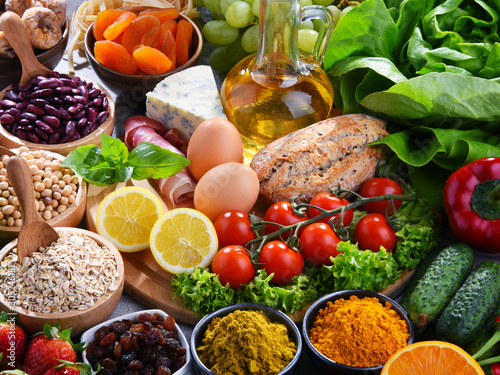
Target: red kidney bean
column 11, row 95
column 7, row 119
column 75, row 91
column 42, row 93
column 70, row 128
column 14, row 112
column 80, row 99
column 35, row 109
column 69, row 99
column 52, row 121
column 55, row 100
column 82, row 122
column 84, row 91
column 21, row 134
column 33, row 137
column 75, row 108
column 50, row 83
column 22, row 105
column 63, row 90
column 75, row 79
column 101, row 117
column 7, row 103
column 92, row 115
column 25, row 95
column 80, row 114
column 26, row 87
column 2, row 111
column 8, row 128
column 24, row 122
column 94, row 93
column 54, row 138
column 86, row 129
column 44, row 126
column 65, row 115
column 39, row 102
column 97, row 102
column 54, row 74
column 52, row 111
column 67, row 82
column 30, row 116
column 105, row 104
column 94, row 127
column 41, row 134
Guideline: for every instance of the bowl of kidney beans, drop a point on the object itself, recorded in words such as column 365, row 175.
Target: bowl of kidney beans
column 144, row 342
column 57, row 113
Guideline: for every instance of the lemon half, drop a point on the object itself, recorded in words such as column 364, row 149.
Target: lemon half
column 183, row 239
column 126, row 217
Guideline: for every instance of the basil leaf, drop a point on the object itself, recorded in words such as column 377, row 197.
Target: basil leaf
column 113, row 150
column 152, row 161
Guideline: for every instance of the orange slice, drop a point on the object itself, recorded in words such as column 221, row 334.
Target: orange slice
column 431, row 358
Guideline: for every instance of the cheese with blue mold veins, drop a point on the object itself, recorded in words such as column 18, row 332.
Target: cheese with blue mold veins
column 185, row 99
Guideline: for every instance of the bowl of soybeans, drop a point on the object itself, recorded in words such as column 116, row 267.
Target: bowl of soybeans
column 60, row 193
column 134, row 48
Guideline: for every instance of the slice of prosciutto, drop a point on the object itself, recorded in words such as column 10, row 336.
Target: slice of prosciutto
column 179, row 188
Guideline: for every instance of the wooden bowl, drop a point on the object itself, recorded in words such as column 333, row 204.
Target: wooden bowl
column 139, row 84
column 11, row 141
column 10, row 69
column 71, row 217
column 78, row 320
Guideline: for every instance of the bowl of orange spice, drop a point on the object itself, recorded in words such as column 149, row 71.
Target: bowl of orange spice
column 355, row 331
column 133, row 48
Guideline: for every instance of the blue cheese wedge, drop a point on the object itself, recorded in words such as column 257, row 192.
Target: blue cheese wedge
column 185, row 99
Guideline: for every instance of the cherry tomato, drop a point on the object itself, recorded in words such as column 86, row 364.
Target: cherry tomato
column 328, row 201
column 495, row 368
column 276, row 257
column 374, row 231
column 378, row 186
column 318, row 243
column 281, row 213
column 234, row 266
column 233, row 227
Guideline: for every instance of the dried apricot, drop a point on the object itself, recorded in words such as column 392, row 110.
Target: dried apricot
column 114, row 56
column 152, row 61
column 103, row 20
column 183, row 42
column 114, row 30
column 167, row 25
column 162, row 14
column 151, row 36
column 132, row 36
column 168, row 47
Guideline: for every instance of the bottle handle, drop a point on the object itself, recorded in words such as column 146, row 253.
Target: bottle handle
column 322, row 13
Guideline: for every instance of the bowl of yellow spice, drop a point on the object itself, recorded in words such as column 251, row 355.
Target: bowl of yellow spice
column 246, row 338
column 355, row 331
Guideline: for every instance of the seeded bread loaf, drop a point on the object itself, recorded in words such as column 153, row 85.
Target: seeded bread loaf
column 321, row 156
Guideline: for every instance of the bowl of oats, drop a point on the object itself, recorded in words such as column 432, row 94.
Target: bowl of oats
column 76, row 282
column 60, row 193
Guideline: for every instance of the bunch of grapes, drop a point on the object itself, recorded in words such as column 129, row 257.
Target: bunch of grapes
column 234, row 29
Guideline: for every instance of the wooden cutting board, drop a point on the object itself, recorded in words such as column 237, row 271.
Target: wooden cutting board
column 146, row 281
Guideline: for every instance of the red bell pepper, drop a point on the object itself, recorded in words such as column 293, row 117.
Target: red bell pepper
column 471, row 197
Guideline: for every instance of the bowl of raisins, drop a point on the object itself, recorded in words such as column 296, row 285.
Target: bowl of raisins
column 148, row 340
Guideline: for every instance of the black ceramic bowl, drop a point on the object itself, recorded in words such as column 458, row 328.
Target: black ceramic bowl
column 273, row 315
column 325, row 364
column 138, row 84
column 11, row 69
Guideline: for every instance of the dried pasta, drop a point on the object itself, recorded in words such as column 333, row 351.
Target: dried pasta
column 87, row 13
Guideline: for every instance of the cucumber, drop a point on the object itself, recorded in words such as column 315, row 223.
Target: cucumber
column 439, row 283
column 474, row 306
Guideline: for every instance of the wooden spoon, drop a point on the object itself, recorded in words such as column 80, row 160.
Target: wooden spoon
column 15, row 31
column 35, row 232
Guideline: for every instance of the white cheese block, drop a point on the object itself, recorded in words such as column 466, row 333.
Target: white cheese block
column 185, row 99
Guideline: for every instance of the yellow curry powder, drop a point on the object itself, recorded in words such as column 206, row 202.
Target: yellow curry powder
column 246, row 342
column 359, row 332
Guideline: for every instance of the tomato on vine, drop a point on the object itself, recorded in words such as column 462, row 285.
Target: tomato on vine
column 278, row 258
column 377, row 186
column 373, row 231
column 234, row 266
column 233, row 227
column 329, row 202
column 281, row 213
column 318, row 242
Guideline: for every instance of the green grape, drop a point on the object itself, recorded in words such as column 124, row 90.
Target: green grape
column 219, row 32
column 307, row 39
column 218, row 16
column 323, row 2
column 219, row 61
column 304, row 3
column 235, row 51
column 317, row 24
column 308, row 24
column 239, row 14
column 345, row 10
column 250, row 2
column 256, row 8
column 224, row 4
column 336, row 13
column 199, row 3
column 213, row 6
column 250, row 39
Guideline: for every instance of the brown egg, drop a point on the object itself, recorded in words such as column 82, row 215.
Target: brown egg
column 215, row 141
column 229, row 186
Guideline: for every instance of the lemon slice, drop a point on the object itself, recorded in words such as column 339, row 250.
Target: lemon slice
column 126, row 216
column 183, row 239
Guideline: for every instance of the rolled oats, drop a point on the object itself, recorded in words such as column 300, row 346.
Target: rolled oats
column 70, row 274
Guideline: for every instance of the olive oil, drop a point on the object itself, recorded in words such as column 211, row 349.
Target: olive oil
column 265, row 107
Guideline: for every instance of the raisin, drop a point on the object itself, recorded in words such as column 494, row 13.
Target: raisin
column 163, row 361
column 169, row 323
column 108, row 340
column 171, row 345
column 126, row 342
column 128, row 357
column 101, row 332
column 119, row 327
column 117, row 351
column 153, row 336
column 146, row 318
column 100, row 352
column 146, row 355
column 135, row 365
column 110, row 365
column 162, row 370
column 135, row 344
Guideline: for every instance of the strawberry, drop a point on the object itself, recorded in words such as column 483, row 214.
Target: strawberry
column 13, row 372
column 12, row 342
column 70, row 368
column 48, row 347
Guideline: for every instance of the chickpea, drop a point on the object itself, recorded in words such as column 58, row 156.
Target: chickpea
column 67, row 178
column 61, row 208
column 3, row 222
column 36, row 178
column 18, row 223
column 55, row 188
column 66, row 191
column 54, row 213
column 33, row 169
column 6, row 194
column 47, row 182
column 16, row 214
column 57, row 195
column 15, row 201
column 4, row 185
column 46, row 193
column 74, row 180
column 8, row 210
column 39, row 163
column 4, row 201
column 61, row 184
column 71, row 199
column 37, row 154
column 47, row 215
column 10, row 221
column 1, row 215
column 39, row 187
column 64, row 200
